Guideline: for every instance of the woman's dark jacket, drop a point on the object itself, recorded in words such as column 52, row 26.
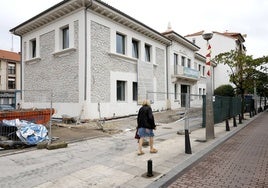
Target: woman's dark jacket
column 145, row 117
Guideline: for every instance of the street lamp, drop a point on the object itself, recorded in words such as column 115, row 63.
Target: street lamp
column 209, row 97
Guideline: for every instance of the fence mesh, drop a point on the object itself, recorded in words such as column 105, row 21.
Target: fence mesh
column 33, row 107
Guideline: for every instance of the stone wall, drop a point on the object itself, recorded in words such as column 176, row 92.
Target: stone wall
column 57, row 72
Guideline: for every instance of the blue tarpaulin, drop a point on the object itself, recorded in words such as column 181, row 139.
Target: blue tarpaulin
column 28, row 132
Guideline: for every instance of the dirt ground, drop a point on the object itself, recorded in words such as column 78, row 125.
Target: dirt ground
column 74, row 132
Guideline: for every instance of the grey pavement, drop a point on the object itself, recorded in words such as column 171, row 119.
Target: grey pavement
column 111, row 161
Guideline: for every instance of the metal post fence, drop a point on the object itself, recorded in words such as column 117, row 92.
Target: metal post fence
column 34, row 106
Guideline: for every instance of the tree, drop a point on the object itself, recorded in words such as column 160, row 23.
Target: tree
column 243, row 70
column 224, row 90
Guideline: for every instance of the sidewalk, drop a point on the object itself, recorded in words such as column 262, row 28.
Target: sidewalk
column 110, row 161
column 241, row 161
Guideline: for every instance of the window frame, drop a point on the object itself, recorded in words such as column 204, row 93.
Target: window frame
column 189, row 62
column 135, row 91
column 135, row 48
column 175, row 56
column 183, row 61
column 33, row 48
column 148, row 52
column 120, row 90
column 11, row 68
column 11, row 83
column 120, row 43
column 65, row 37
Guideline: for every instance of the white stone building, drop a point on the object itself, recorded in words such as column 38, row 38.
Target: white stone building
column 220, row 43
column 99, row 62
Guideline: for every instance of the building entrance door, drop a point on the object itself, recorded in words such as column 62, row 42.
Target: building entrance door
column 184, row 89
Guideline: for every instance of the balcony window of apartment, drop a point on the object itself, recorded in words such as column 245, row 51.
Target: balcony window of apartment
column 11, row 68
column 135, row 48
column 175, row 63
column 189, row 63
column 147, row 52
column 121, row 90
column 65, row 37
column 182, row 61
column 120, row 43
column 11, row 83
column 33, row 48
column 134, row 91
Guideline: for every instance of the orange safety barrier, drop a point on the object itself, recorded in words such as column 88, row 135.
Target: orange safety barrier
column 38, row 116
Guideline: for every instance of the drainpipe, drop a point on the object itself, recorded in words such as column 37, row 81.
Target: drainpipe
column 85, row 89
column 167, row 67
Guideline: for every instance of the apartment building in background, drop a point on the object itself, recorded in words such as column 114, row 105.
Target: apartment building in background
column 220, row 43
column 10, row 76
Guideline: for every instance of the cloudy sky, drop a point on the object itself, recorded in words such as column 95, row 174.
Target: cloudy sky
column 186, row 17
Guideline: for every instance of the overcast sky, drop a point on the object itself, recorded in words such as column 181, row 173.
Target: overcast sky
column 186, row 17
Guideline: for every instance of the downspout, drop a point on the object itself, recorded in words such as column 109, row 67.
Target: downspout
column 85, row 86
column 167, row 72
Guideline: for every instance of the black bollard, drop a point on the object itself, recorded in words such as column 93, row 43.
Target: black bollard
column 235, row 125
column 240, row 118
column 150, row 168
column 227, row 125
column 188, row 149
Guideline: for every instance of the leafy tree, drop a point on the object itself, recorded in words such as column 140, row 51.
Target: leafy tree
column 243, row 70
column 224, row 90
column 262, row 85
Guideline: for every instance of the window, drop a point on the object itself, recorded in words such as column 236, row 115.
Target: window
column 135, row 48
column 203, row 71
column 204, row 91
column 199, row 68
column 65, row 37
column 182, row 61
column 135, row 91
column 200, row 93
column 11, row 83
column 11, row 68
column 189, row 63
column 175, row 63
column 121, row 85
column 33, row 48
column 147, row 53
column 120, row 43
column 175, row 91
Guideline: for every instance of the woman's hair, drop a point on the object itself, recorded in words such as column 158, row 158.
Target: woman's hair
column 146, row 102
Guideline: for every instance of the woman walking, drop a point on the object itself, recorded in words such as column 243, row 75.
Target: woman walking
column 146, row 125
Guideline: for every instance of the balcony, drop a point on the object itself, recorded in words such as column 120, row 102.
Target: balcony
column 185, row 73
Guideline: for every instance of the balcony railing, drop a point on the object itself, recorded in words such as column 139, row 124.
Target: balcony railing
column 186, row 73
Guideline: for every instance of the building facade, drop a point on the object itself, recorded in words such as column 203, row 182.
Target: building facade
column 10, row 76
column 220, row 43
column 97, row 62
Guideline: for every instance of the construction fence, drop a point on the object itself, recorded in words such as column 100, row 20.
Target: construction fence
column 30, row 121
